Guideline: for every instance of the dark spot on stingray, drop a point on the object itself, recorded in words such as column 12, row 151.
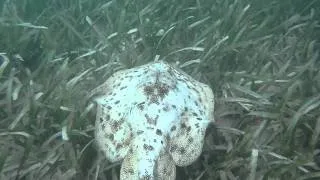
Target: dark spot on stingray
column 119, row 145
column 127, row 76
column 183, row 125
column 165, row 109
column 101, row 120
column 123, row 87
column 198, row 92
column 158, row 132
column 188, row 128
column 146, row 176
column 111, row 137
column 141, row 106
column 182, row 150
column 163, row 90
column 115, row 126
column 154, row 99
column 150, row 120
column 117, row 102
column 173, row 128
column 148, row 90
column 130, row 171
column 148, row 147
column 173, row 148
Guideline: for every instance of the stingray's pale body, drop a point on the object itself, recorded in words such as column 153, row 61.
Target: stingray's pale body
column 152, row 117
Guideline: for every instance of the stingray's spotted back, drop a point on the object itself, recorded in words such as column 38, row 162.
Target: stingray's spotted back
column 152, row 117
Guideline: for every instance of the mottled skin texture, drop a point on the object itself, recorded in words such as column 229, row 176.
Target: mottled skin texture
column 153, row 117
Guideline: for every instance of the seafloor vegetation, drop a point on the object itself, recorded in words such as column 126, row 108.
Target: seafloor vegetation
column 260, row 57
